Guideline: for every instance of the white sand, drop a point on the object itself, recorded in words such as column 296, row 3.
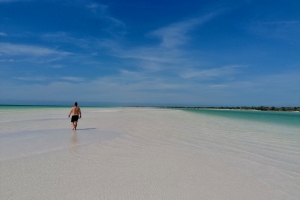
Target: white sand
column 141, row 153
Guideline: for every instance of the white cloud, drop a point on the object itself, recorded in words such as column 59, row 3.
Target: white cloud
column 11, row 1
column 92, row 44
column 116, row 22
column 63, row 38
column 3, row 34
column 51, row 79
column 218, row 86
column 57, row 66
column 19, row 49
column 168, row 54
column 116, row 27
column 92, row 6
column 154, row 54
column 133, row 87
column 111, row 45
column 72, row 78
column 212, row 73
column 7, row 60
column 97, row 8
column 150, row 59
column 55, row 35
column 176, row 34
column 8, row 1
column 37, row 78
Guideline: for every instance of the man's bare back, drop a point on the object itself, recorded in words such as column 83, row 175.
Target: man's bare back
column 75, row 111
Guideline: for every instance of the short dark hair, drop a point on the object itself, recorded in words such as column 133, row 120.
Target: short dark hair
column 75, row 103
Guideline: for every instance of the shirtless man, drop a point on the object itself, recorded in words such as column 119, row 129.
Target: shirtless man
column 76, row 114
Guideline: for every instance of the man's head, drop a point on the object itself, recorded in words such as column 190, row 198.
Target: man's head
column 75, row 104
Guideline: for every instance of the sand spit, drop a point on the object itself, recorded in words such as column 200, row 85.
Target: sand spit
column 146, row 153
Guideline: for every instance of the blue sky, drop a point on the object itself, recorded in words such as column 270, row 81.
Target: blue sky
column 192, row 53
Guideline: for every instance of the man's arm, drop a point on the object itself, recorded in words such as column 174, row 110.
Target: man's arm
column 79, row 112
column 70, row 112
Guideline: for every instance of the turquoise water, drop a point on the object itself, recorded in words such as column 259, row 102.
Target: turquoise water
column 280, row 118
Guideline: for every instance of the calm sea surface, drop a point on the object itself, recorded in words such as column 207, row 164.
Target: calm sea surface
column 279, row 118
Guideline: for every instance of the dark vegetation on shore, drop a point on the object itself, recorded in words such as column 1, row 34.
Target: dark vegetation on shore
column 261, row 108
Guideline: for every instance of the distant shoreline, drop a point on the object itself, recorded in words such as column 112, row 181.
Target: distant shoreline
column 252, row 108
column 261, row 108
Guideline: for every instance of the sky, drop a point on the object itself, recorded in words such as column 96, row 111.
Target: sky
column 150, row 52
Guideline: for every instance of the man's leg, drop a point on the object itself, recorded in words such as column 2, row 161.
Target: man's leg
column 75, row 125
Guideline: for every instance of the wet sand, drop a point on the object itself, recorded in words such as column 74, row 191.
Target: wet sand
column 144, row 153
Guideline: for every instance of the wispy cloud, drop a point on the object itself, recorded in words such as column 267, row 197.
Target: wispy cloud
column 7, row 60
column 212, row 73
column 116, row 26
column 168, row 54
column 3, row 34
column 72, row 78
column 19, row 49
column 57, row 66
column 176, row 34
column 51, row 79
column 153, row 54
column 12, row 1
column 134, row 87
column 65, row 38
column 36, row 78
column 9, row 1
column 98, row 9
column 93, row 6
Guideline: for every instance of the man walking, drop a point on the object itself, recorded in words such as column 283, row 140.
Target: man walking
column 76, row 114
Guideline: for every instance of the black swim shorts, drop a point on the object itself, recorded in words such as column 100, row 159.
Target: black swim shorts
column 74, row 118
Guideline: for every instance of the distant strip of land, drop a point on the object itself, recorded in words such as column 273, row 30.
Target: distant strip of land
column 260, row 108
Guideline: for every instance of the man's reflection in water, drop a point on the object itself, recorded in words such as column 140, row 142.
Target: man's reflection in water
column 74, row 143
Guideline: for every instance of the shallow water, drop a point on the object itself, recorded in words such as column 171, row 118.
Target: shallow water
column 32, row 143
column 271, row 117
column 263, row 144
